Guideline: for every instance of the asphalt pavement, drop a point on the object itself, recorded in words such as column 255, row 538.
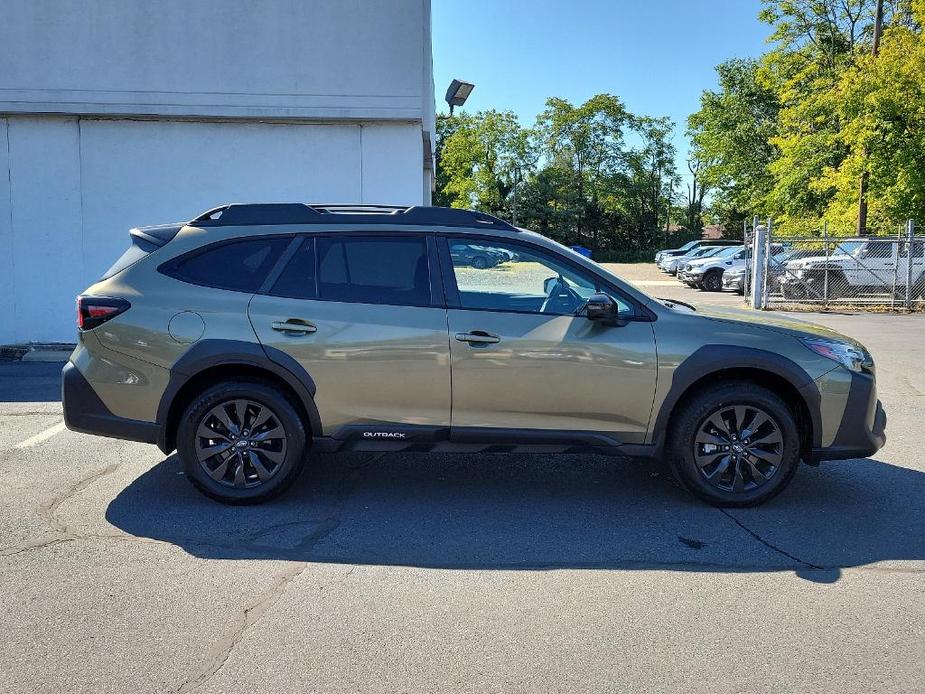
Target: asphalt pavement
column 461, row 573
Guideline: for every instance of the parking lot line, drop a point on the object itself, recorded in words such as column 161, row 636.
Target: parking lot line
column 655, row 283
column 41, row 436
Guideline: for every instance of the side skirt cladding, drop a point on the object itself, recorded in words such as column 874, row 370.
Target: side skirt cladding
column 432, row 439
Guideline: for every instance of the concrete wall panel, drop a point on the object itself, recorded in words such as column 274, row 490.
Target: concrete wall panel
column 47, row 244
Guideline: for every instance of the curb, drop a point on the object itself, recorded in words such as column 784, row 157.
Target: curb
column 37, row 352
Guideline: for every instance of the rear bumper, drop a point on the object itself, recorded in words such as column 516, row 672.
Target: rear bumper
column 863, row 427
column 86, row 413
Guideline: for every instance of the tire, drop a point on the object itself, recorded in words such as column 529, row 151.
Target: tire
column 718, row 477
column 480, row 262
column 793, row 293
column 712, row 281
column 269, row 459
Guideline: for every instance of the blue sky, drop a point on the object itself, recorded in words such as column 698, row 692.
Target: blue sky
column 656, row 55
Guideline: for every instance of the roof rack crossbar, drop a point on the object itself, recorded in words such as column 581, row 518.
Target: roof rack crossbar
column 280, row 213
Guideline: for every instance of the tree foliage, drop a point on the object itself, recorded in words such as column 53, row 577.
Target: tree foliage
column 790, row 134
column 591, row 174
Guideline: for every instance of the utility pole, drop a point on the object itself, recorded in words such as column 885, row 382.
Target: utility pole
column 865, row 175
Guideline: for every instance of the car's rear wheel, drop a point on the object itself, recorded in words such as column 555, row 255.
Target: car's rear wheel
column 241, row 442
column 480, row 262
column 735, row 444
column 712, row 281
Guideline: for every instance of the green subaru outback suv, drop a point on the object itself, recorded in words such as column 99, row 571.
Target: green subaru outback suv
column 257, row 334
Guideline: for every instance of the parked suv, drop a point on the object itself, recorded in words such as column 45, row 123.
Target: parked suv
column 255, row 335
column 857, row 267
column 692, row 246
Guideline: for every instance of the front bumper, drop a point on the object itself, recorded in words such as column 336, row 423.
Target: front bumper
column 736, row 282
column 862, row 431
column 86, row 413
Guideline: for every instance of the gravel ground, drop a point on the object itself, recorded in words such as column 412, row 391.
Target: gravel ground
column 466, row 573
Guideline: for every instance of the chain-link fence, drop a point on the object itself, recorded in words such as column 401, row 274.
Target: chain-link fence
column 821, row 271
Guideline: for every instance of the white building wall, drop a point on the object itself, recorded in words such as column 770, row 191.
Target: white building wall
column 361, row 59
column 122, row 113
column 77, row 186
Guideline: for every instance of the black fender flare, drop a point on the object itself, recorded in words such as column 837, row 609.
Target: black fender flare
column 208, row 353
column 711, row 359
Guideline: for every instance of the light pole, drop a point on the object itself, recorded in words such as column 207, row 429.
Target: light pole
column 457, row 93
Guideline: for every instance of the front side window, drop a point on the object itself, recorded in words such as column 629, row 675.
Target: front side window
column 879, row 250
column 237, row 265
column 509, row 277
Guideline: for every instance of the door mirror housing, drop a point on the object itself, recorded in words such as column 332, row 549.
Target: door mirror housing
column 602, row 308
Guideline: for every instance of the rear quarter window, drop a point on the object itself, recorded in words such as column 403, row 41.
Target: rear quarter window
column 240, row 265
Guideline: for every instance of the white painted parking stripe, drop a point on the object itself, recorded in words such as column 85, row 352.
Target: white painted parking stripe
column 41, row 436
column 656, row 283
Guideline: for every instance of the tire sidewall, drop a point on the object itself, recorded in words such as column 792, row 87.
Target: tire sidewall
column 713, row 281
column 265, row 395
column 695, row 412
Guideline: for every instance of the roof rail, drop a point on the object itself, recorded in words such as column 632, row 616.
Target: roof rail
column 252, row 214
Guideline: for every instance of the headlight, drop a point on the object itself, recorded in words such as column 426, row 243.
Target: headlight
column 853, row 358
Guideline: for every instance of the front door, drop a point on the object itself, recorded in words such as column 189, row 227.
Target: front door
column 523, row 359
column 360, row 314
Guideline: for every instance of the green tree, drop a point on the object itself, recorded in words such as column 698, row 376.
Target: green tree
column 816, row 42
column 481, row 157
column 731, row 142
column 882, row 108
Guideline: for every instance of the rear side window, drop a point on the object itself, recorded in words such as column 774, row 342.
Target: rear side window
column 360, row 269
column 237, row 265
column 298, row 279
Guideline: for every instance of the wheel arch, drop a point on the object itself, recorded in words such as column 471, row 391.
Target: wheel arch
column 714, row 364
column 212, row 361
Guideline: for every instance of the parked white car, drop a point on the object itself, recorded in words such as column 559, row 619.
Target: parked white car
column 860, row 266
column 690, row 246
column 670, row 264
column 707, row 273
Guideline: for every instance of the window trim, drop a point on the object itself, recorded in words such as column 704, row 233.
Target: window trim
column 169, row 267
column 435, row 284
column 451, row 288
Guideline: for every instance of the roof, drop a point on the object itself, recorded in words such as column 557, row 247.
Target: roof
column 253, row 214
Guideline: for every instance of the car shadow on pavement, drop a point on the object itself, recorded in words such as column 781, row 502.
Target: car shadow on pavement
column 534, row 512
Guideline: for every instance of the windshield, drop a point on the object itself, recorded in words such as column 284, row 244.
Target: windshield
column 728, row 252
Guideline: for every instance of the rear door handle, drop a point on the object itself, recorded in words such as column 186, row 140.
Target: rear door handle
column 293, row 326
column 478, row 337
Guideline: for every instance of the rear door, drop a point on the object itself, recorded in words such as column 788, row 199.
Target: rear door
column 363, row 317
column 523, row 359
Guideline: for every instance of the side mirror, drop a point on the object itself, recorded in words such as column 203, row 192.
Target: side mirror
column 602, row 308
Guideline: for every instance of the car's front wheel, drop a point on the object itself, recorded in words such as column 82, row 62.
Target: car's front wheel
column 241, row 442
column 712, row 281
column 735, row 444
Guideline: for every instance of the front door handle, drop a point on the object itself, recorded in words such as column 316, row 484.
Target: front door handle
column 478, row 337
column 293, row 326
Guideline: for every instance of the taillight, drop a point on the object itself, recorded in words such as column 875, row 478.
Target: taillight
column 93, row 311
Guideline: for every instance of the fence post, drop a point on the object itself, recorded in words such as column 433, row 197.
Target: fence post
column 746, row 293
column 825, row 272
column 759, row 247
column 898, row 256
column 910, row 257
column 767, row 263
